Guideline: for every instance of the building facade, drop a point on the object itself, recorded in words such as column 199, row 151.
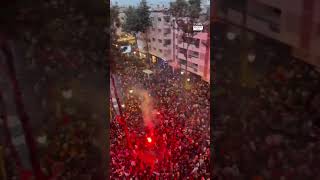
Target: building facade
column 292, row 22
column 165, row 44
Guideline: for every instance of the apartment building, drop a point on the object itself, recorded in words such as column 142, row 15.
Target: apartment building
column 165, row 44
column 292, row 22
column 196, row 57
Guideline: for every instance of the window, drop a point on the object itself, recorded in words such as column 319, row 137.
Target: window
column 194, row 65
column 194, row 54
column 159, row 19
column 166, row 18
column 155, row 49
column 182, row 62
column 153, row 39
column 149, row 40
column 159, row 30
column 183, row 51
column 160, row 50
column 167, row 42
column 193, row 41
column 196, row 42
column 159, row 40
column 167, row 31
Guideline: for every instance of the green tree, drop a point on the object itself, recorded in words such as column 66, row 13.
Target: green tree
column 130, row 25
column 138, row 20
column 114, row 22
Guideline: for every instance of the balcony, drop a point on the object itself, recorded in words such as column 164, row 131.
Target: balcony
column 190, row 69
column 264, row 26
column 181, row 56
column 192, row 57
column 234, row 16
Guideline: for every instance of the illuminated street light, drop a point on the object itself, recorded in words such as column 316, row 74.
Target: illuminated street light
column 182, row 72
column 130, row 91
column 123, row 106
column 188, row 79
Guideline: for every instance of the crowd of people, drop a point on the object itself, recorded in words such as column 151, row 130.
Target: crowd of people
column 270, row 130
column 180, row 147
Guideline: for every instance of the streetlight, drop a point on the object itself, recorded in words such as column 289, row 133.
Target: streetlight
column 182, row 72
column 188, row 79
column 122, row 105
column 130, row 91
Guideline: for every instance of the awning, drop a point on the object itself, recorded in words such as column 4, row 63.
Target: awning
column 147, row 71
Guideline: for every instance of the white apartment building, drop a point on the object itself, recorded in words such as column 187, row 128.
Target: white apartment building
column 292, row 22
column 165, row 44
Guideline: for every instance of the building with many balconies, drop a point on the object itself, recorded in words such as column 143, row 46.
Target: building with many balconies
column 292, row 22
column 165, row 44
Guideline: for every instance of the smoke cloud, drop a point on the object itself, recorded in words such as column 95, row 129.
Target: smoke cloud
column 146, row 107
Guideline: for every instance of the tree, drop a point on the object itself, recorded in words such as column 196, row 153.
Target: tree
column 114, row 22
column 185, row 13
column 131, row 25
column 138, row 20
column 144, row 23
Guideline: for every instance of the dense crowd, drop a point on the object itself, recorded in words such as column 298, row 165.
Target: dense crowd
column 180, row 147
column 271, row 130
